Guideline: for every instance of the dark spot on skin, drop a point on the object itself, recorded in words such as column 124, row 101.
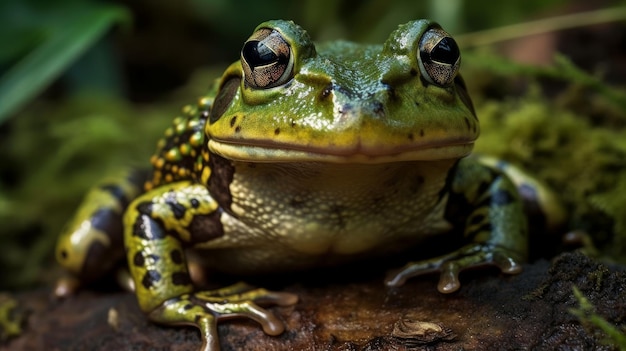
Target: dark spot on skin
column 147, row 228
column 296, row 203
column 176, row 256
column 220, row 179
column 176, row 207
column 237, row 129
column 181, row 278
column 178, row 210
column 454, row 200
column 194, row 203
column 276, row 131
column 339, row 217
column 150, row 278
column 233, row 121
column 421, row 132
column 410, row 136
column 417, row 103
column 379, row 108
column 188, row 307
column 345, row 108
column 109, row 221
column 328, row 89
column 476, row 219
column 482, row 189
column 117, row 192
column 349, row 93
column 204, row 228
column 413, row 72
column 63, row 254
column 498, row 197
column 138, row 259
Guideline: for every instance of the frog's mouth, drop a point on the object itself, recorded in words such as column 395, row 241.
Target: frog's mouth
column 357, row 154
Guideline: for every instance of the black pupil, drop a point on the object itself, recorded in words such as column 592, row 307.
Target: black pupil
column 446, row 51
column 258, row 54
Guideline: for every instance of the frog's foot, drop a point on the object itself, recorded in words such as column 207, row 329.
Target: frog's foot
column 204, row 309
column 449, row 266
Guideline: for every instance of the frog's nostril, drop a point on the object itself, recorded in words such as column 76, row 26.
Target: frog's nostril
column 63, row 254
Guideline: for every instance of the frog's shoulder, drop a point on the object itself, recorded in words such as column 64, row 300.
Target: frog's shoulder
column 179, row 154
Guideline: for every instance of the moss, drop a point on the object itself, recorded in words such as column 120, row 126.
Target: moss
column 595, row 323
column 583, row 161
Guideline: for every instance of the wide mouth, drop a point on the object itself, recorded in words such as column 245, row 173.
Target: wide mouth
column 358, row 154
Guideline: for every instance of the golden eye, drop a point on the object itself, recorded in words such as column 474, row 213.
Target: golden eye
column 439, row 57
column 267, row 60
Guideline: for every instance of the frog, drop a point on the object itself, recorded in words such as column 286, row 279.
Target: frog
column 304, row 155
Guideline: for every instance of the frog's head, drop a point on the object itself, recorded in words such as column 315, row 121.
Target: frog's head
column 287, row 100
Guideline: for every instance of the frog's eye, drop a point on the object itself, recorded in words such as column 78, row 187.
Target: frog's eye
column 267, row 59
column 439, row 57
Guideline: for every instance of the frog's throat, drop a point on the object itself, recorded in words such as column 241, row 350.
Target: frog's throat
column 256, row 153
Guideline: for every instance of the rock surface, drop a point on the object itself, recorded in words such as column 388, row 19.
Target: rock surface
column 490, row 312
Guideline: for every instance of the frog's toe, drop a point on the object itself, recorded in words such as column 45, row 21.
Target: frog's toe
column 507, row 263
column 449, row 278
column 450, row 266
column 206, row 308
column 238, row 301
column 246, row 292
column 398, row 277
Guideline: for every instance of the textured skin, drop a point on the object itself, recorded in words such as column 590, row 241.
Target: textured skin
column 357, row 154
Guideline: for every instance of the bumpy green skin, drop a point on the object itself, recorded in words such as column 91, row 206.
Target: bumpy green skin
column 324, row 155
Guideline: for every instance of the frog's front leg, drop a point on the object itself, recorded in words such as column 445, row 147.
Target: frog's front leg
column 158, row 225
column 486, row 204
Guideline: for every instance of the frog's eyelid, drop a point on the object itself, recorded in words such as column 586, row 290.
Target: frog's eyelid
column 439, row 57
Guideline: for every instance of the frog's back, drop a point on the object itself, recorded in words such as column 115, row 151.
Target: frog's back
column 179, row 153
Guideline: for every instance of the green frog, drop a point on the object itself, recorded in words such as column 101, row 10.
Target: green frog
column 303, row 155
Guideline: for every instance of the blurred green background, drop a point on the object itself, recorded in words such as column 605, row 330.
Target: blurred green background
column 87, row 87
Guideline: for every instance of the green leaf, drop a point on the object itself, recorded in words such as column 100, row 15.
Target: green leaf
column 64, row 43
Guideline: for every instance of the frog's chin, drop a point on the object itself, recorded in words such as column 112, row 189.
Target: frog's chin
column 256, row 153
